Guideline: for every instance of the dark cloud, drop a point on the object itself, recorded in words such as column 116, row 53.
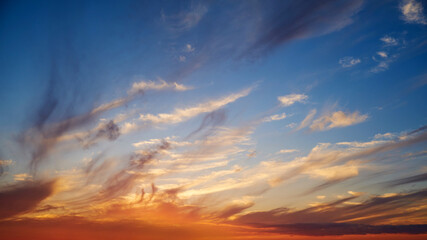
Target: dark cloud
column 301, row 19
column 331, row 229
column 48, row 207
column 421, row 129
column 375, row 210
column 210, row 121
column 23, row 197
column 233, row 209
column 325, row 185
column 252, row 29
column 109, row 131
column 413, row 179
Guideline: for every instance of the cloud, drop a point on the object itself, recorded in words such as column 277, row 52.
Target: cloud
column 210, row 122
column 182, row 58
column 389, row 41
column 183, row 114
column 340, row 229
column 308, row 119
column 412, row 179
column 155, row 141
column 108, row 130
column 382, row 54
column 4, row 164
column 306, row 19
column 234, row 209
column 189, row 48
column 349, row 61
column 337, row 119
column 381, row 67
column 283, row 151
column 325, row 155
column 384, row 136
column 412, row 12
column 23, row 197
column 290, row 99
column 275, row 117
column 160, row 84
column 22, row 177
column 374, row 210
column 186, row 19
column 336, row 172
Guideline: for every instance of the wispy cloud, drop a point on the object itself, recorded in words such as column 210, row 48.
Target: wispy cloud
column 337, row 119
column 412, row 12
column 182, row 114
column 382, row 54
column 189, row 48
column 274, row 117
column 412, row 179
column 308, row 119
column 349, row 62
column 186, row 19
column 290, row 99
column 375, row 210
column 284, row 151
column 384, row 136
column 308, row 19
column 160, row 84
column 389, row 41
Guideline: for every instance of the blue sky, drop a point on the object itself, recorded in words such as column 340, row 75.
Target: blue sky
column 262, row 104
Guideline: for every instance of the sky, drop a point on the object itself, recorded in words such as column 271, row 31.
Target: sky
column 213, row 119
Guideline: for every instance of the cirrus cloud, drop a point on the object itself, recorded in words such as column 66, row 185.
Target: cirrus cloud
column 290, row 99
column 337, row 119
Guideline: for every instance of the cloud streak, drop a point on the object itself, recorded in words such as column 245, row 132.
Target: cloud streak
column 290, row 99
column 337, row 120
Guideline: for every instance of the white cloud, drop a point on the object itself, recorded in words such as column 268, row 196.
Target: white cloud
column 336, row 172
column 290, row 99
column 337, row 119
column 275, row 117
column 284, row 151
column 381, row 67
column 412, row 12
column 349, row 62
column 189, row 48
column 384, row 136
column 291, row 125
column 157, row 141
column 182, row 114
column 160, row 84
column 182, row 58
column 389, row 41
column 382, row 54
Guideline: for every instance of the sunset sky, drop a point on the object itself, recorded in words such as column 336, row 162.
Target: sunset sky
column 213, row 119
